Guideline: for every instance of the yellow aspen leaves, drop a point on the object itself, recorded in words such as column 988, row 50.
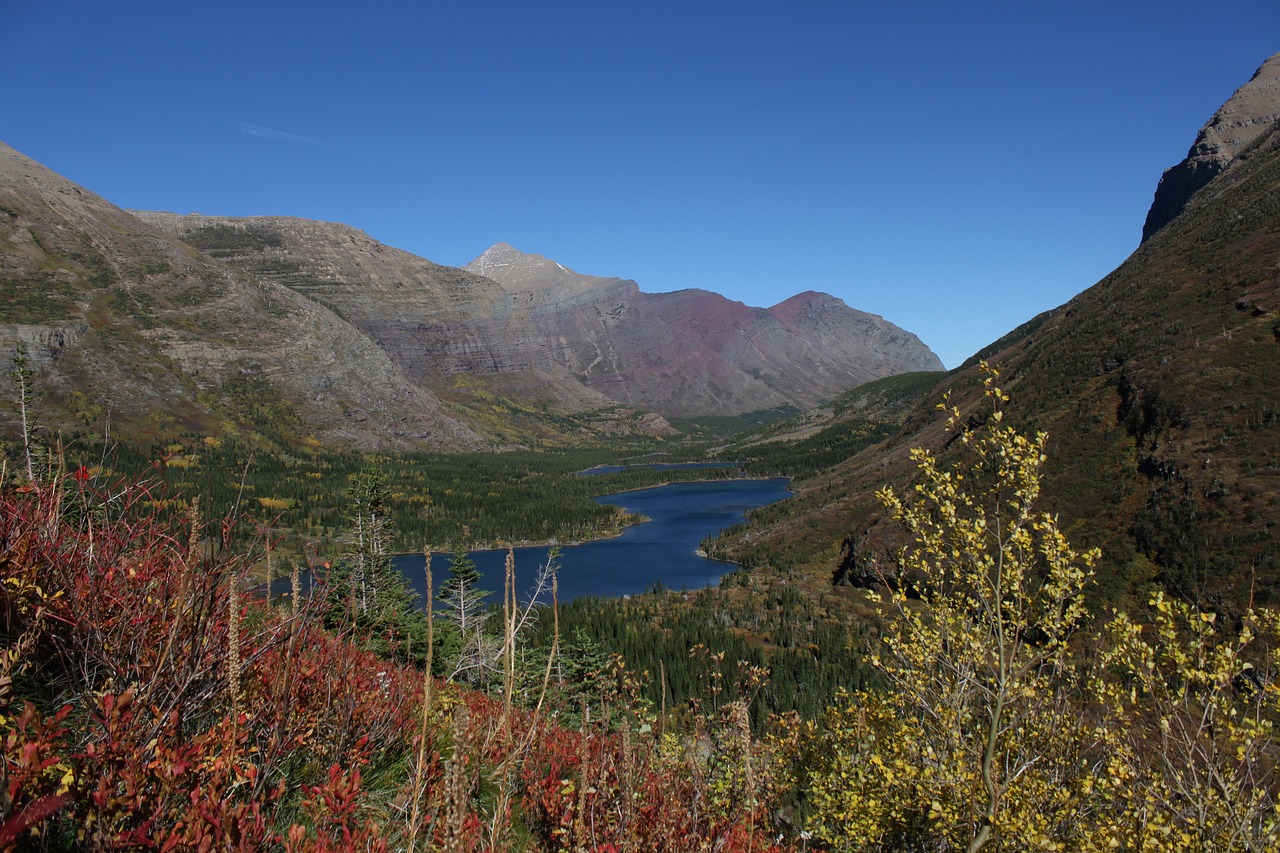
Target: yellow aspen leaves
column 974, row 652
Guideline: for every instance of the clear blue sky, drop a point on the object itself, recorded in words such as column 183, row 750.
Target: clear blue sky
column 954, row 167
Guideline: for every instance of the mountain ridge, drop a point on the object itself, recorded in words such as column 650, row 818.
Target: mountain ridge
column 720, row 346
column 129, row 323
column 361, row 344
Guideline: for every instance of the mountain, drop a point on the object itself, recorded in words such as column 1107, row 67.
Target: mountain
column 1246, row 116
column 438, row 323
column 126, row 324
column 1159, row 388
column 168, row 323
column 693, row 352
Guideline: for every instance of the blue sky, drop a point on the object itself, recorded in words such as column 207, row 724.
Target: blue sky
column 954, row 167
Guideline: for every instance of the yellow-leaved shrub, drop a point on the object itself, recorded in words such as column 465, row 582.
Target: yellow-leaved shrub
column 996, row 730
column 1189, row 727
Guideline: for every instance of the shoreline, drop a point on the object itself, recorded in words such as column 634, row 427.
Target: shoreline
column 642, row 519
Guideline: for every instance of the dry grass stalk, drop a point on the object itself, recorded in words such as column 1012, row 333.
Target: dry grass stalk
column 233, row 652
column 662, row 682
column 193, row 534
column 506, row 786
column 457, row 785
column 427, row 682
column 741, row 722
column 509, row 641
column 419, row 784
column 555, row 642
column 580, row 810
column 626, row 777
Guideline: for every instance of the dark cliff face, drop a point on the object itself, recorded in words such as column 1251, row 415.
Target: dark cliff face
column 1177, row 185
column 1243, row 119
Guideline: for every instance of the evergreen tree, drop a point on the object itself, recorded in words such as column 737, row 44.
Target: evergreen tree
column 366, row 592
column 463, row 573
column 377, row 588
column 464, row 608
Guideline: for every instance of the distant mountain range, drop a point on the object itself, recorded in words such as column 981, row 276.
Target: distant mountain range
column 177, row 323
column 1159, row 387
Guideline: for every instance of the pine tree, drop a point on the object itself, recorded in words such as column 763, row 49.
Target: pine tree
column 365, row 590
column 464, row 607
column 381, row 593
column 463, row 573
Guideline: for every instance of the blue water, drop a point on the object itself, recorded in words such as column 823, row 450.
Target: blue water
column 659, row 551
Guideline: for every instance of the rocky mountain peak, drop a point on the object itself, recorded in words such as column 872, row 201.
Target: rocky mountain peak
column 519, row 271
column 495, row 259
column 1248, row 114
column 795, row 310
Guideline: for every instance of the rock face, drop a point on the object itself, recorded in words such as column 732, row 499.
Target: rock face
column 695, row 352
column 529, row 328
column 1244, row 118
column 437, row 323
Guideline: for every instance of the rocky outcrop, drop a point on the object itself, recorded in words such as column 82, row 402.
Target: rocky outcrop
column 1244, row 118
column 529, row 274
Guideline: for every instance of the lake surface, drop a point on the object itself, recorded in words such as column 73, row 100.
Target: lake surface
column 659, row 551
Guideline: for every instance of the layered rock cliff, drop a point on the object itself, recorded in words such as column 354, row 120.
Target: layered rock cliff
column 529, row 328
column 437, row 322
column 695, row 352
column 190, row 322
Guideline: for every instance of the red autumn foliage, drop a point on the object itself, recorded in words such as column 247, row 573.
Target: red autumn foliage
column 136, row 731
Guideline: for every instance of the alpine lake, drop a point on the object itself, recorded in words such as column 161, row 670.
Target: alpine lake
column 663, row 551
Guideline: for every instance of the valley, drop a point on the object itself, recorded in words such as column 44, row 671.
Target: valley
column 1026, row 604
